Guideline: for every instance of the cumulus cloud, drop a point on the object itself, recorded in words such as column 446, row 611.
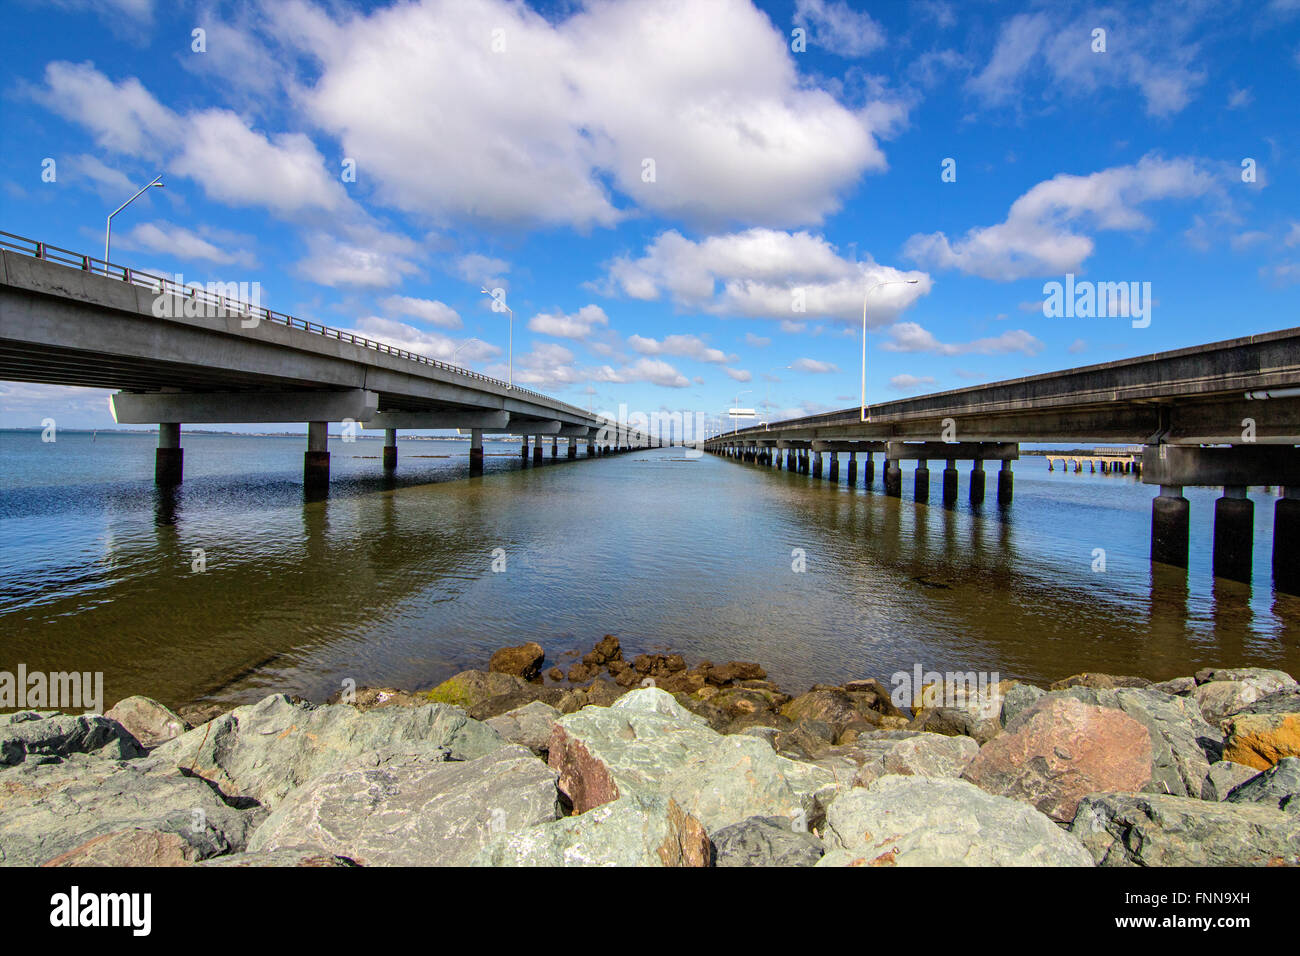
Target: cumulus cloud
column 537, row 129
column 757, row 341
column 654, row 371
column 367, row 259
column 183, row 243
column 910, row 337
column 1040, row 234
column 739, row 374
column 428, row 310
column 910, row 383
column 762, row 273
column 579, row 325
column 421, row 341
column 814, row 365
column 686, row 346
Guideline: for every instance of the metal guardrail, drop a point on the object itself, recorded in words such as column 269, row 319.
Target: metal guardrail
column 159, row 285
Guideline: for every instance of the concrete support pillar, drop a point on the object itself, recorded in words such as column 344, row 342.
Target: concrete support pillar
column 523, row 449
column 835, row 467
column 316, row 461
column 950, row 484
column 1170, row 519
column 817, row 464
column 539, row 453
column 893, row 478
column 573, row 448
column 168, row 462
column 475, row 451
column 591, row 448
column 869, row 470
column 390, row 449
column 1006, row 483
column 977, row 482
column 922, row 489
column 789, row 459
column 1286, row 541
column 853, row 468
column 555, row 448
column 1234, row 534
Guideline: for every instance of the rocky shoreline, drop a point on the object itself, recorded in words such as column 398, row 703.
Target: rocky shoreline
column 651, row 762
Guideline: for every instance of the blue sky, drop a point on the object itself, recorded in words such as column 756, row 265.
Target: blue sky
column 658, row 187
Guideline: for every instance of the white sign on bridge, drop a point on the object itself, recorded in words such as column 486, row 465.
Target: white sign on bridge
column 741, row 413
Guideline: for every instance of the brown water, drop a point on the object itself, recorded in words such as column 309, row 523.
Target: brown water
column 391, row 582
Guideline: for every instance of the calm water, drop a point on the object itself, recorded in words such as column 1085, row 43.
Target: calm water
column 391, row 582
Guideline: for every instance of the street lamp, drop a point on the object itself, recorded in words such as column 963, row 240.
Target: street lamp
column 108, row 226
column 456, row 350
column 864, row 334
column 510, row 350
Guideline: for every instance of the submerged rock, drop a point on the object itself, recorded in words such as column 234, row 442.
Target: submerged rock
column 414, row 811
column 524, row 661
column 919, row 821
column 1126, row 829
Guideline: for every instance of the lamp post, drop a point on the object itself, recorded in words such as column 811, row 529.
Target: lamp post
column 456, row 351
column 865, row 295
column 108, row 225
column 510, row 348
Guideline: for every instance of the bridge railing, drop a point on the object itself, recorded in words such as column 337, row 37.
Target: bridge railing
column 161, row 284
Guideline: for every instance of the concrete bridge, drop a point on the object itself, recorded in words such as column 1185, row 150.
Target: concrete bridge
column 1109, row 464
column 1225, row 414
column 183, row 354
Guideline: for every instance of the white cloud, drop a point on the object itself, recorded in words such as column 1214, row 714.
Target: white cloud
column 479, row 268
column 1149, row 50
column 1038, row 236
column 686, row 346
column 367, row 259
column 910, row 383
column 757, row 341
column 654, row 371
column 762, row 273
column 837, row 28
column 576, row 326
column 739, row 374
column 429, row 310
column 910, row 337
column 423, row 342
column 813, row 365
column 416, row 87
column 183, row 243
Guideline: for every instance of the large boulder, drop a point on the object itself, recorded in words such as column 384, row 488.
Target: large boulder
column 92, row 811
column 645, row 829
column 414, row 811
column 523, row 661
column 956, row 707
column 46, row 736
column 766, row 841
column 529, row 726
column 148, row 721
column 602, row 753
column 917, row 755
column 1223, row 777
column 1061, row 749
column 1261, row 740
column 739, row 777
column 1182, row 744
column 1127, row 829
column 1263, row 679
column 266, row 749
column 607, row 649
column 470, row 688
column 920, row 821
column 1223, row 698
column 1278, row 786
